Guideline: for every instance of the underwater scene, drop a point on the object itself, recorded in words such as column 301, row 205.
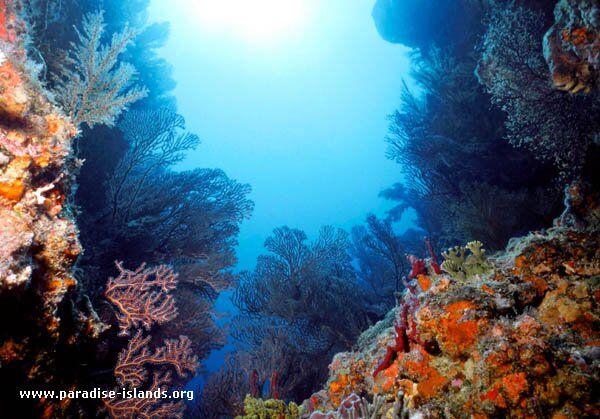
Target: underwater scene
column 285, row 209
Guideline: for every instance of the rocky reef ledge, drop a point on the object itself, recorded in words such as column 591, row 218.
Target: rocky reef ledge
column 513, row 335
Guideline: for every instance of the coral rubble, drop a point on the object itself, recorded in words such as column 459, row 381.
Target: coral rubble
column 572, row 45
column 518, row 336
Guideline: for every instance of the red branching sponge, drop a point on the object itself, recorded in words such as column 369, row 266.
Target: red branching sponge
column 400, row 345
column 273, row 385
column 406, row 330
column 142, row 296
column 417, row 266
column 254, row 390
column 434, row 260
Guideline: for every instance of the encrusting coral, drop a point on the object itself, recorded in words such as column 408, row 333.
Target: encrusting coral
column 572, row 46
column 39, row 307
column 511, row 335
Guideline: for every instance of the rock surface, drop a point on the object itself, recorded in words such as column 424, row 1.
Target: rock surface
column 572, row 46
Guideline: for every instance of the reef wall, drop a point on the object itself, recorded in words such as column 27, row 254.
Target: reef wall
column 41, row 324
column 572, row 46
column 514, row 335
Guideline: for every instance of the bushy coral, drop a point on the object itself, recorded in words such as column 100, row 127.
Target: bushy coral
column 142, row 296
column 224, row 392
column 90, row 86
column 151, row 213
column 379, row 253
column 462, row 180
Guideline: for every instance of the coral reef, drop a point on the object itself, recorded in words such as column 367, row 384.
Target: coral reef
column 572, row 46
column 355, row 407
column 300, row 306
column 517, row 337
column 268, row 409
column 40, row 307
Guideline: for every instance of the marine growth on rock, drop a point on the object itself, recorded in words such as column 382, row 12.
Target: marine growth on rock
column 517, row 336
column 40, row 309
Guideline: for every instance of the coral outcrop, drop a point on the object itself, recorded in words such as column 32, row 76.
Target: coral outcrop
column 572, row 46
column 518, row 336
column 39, row 314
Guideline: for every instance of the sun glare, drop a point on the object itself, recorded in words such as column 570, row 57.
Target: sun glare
column 256, row 21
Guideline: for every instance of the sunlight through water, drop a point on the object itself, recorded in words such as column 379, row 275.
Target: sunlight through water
column 260, row 22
